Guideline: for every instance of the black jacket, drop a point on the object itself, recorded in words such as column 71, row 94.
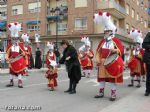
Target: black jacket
column 146, row 46
column 72, row 65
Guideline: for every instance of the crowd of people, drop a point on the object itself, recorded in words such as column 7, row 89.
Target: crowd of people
column 79, row 63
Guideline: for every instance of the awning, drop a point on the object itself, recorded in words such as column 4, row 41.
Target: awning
column 52, row 18
column 32, row 22
column 148, row 10
column 3, row 24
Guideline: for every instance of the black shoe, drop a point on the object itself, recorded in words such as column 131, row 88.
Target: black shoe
column 112, row 99
column 9, row 85
column 130, row 85
column 20, row 86
column 67, row 91
column 82, row 75
column 72, row 92
column 98, row 96
column 147, row 94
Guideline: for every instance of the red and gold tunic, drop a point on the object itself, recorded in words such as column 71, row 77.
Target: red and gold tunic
column 86, row 60
column 12, row 52
column 51, row 75
column 136, row 66
column 28, row 53
column 102, row 53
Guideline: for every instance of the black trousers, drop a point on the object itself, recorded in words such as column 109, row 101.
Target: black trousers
column 72, row 85
column 148, row 78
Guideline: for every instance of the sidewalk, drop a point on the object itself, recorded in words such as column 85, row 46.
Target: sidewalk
column 135, row 102
column 6, row 71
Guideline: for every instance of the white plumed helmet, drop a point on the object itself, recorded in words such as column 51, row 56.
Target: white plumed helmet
column 50, row 45
column 14, row 28
column 104, row 18
column 25, row 37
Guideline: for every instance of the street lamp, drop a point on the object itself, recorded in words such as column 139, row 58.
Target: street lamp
column 58, row 13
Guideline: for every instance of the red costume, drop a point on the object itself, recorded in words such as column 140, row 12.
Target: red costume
column 101, row 55
column 51, row 75
column 86, row 60
column 13, row 52
column 28, row 52
column 137, row 67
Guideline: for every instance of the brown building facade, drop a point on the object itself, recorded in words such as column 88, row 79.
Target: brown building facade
column 71, row 19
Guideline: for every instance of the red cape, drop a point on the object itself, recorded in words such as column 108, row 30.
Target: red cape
column 116, row 41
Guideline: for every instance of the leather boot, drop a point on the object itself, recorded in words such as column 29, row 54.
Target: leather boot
column 11, row 84
column 101, row 93
column 74, row 89
column 113, row 95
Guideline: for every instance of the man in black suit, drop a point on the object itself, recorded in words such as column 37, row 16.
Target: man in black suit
column 146, row 59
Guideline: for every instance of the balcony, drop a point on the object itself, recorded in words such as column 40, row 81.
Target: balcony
column 112, row 7
column 57, row 13
column 49, row 32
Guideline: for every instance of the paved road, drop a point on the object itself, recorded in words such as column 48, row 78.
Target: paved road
column 35, row 93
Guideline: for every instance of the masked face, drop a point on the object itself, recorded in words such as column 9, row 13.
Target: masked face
column 137, row 46
column 14, row 41
column 87, row 48
column 107, row 34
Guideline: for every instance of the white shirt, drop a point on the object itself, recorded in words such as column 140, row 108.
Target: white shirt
column 15, row 48
column 109, row 44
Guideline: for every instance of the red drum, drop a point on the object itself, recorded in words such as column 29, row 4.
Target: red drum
column 18, row 64
column 84, row 62
column 133, row 63
column 114, row 65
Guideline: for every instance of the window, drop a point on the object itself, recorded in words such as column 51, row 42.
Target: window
column 34, row 7
column 127, row 27
column 115, row 22
column 81, row 23
column 3, row 13
column 80, row 3
column 128, row 9
column 133, row 13
column 62, row 26
column 17, row 9
column 137, row 17
column 33, row 27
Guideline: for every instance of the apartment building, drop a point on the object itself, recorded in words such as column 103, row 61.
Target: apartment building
column 70, row 19
column 149, row 16
column 3, row 23
column 3, row 16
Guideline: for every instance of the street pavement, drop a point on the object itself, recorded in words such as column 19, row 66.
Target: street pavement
column 35, row 94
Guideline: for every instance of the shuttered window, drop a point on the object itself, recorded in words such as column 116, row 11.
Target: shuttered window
column 80, row 3
column 34, row 7
column 17, row 9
